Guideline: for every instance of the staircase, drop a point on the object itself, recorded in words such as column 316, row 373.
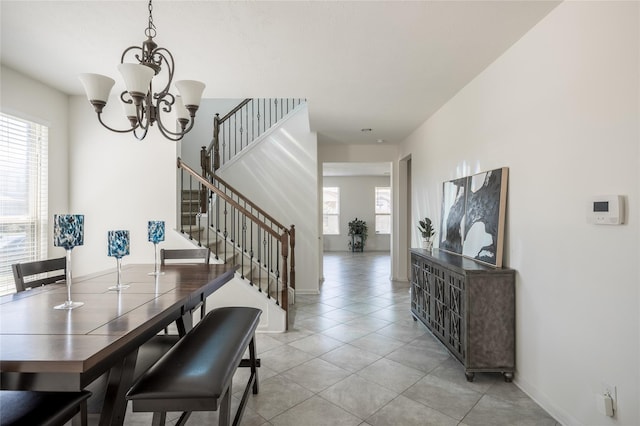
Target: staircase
column 216, row 215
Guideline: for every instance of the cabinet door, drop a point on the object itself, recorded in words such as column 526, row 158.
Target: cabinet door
column 456, row 312
column 416, row 285
column 438, row 300
column 426, row 292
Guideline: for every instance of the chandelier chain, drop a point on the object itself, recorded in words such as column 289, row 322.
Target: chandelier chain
column 151, row 29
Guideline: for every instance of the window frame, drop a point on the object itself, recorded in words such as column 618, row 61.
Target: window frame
column 23, row 194
column 336, row 215
column 378, row 214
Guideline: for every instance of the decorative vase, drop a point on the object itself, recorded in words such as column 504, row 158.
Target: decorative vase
column 68, row 232
column 118, row 247
column 155, row 234
column 428, row 244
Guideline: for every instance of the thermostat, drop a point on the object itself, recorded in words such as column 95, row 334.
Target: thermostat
column 606, row 210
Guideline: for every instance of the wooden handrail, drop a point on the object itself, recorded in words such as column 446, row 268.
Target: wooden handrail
column 251, row 203
column 236, row 109
column 206, row 183
column 219, row 121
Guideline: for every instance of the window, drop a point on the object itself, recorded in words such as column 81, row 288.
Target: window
column 331, row 211
column 23, row 195
column 383, row 210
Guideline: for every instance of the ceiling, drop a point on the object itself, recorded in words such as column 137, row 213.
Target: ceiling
column 384, row 65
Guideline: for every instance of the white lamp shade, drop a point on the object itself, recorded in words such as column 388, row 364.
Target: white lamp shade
column 129, row 109
column 96, row 86
column 136, row 77
column 191, row 91
column 181, row 111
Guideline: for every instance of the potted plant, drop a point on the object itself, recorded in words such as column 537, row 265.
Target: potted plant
column 426, row 230
column 358, row 233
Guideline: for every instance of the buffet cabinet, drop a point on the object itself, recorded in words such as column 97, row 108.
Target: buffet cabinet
column 469, row 307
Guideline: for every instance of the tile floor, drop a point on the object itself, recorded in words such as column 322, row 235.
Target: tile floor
column 354, row 356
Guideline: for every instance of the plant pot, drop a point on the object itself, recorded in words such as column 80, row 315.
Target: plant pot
column 427, row 244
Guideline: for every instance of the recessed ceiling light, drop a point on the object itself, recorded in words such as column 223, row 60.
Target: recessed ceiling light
column 380, row 140
column 365, row 130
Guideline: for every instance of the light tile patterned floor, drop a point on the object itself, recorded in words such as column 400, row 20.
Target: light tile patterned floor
column 354, row 356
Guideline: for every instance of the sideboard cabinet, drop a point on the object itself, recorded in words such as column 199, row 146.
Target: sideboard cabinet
column 469, row 307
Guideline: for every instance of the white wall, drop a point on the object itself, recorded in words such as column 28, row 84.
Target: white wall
column 279, row 173
column 26, row 98
column 118, row 182
column 357, row 199
column 561, row 110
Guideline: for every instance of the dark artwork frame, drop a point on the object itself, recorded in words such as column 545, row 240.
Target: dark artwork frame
column 473, row 216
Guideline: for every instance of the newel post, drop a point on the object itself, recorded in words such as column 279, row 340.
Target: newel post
column 216, row 142
column 292, row 262
column 284, row 244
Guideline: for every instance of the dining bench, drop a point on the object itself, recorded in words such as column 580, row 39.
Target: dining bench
column 196, row 374
column 40, row 408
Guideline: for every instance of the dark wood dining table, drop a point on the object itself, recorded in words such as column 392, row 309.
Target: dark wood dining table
column 46, row 349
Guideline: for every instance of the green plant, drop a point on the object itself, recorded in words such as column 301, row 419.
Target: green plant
column 426, row 228
column 358, row 227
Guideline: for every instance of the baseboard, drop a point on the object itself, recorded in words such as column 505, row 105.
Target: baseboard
column 543, row 401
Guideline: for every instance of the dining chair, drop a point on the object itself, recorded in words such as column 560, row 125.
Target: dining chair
column 29, row 269
column 202, row 254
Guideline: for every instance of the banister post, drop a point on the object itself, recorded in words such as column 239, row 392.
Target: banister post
column 216, row 142
column 284, row 240
column 204, row 163
column 292, row 261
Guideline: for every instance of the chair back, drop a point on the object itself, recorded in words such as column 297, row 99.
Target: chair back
column 28, row 269
column 202, row 254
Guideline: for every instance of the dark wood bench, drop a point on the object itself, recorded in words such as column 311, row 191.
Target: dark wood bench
column 196, row 374
column 40, row 408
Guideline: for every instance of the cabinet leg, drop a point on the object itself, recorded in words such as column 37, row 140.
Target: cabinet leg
column 508, row 377
column 469, row 376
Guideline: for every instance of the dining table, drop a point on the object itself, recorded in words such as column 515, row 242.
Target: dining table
column 42, row 348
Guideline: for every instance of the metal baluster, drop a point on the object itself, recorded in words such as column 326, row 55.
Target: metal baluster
column 190, row 208
column 278, row 273
column 244, row 240
column 251, row 251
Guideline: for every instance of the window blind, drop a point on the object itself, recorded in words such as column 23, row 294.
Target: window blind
column 23, row 195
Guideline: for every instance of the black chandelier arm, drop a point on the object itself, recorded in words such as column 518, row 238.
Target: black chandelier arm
column 132, row 129
column 168, row 60
column 127, row 50
column 169, row 134
column 144, row 133
column 164, row 98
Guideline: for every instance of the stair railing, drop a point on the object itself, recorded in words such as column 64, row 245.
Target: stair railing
column 242, row 125
column 240, row 232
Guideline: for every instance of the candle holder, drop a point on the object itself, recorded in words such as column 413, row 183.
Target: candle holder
column 68, row 232
column 155, row 232
column 118, row 247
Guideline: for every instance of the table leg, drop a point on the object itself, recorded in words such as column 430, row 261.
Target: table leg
column 119, row 382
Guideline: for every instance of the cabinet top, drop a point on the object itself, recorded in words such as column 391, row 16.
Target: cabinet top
column 457, row 262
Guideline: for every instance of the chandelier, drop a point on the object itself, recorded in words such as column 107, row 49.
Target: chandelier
column 142, row 106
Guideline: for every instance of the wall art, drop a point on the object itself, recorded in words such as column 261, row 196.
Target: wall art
column 473, row 215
